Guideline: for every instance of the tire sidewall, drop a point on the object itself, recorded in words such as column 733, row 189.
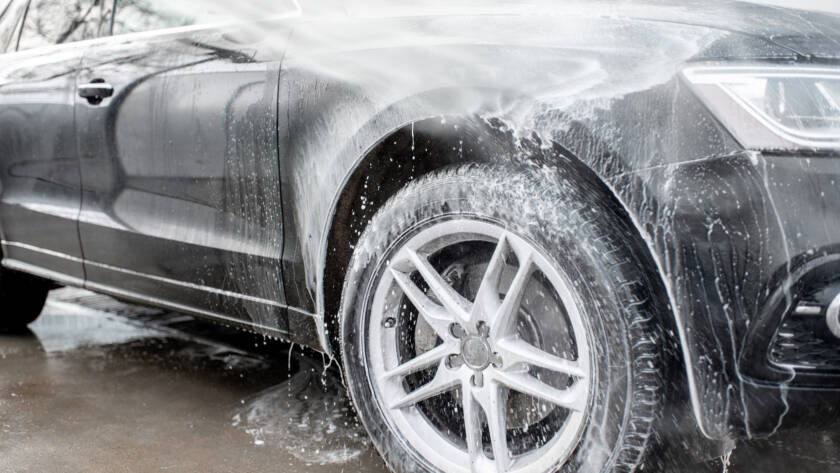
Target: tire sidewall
column 564, row 228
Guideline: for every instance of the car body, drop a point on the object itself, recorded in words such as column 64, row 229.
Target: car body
column 228, row 170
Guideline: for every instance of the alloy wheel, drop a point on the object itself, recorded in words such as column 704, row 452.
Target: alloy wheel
column 477, row 350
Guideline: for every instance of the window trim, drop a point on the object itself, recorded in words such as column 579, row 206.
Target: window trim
column 113, row 17
column 6, row 8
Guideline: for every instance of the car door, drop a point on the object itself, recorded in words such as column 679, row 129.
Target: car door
column 40, row 187
column 179, row 164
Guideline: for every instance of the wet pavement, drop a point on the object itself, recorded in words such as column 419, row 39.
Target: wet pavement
column 101, row 386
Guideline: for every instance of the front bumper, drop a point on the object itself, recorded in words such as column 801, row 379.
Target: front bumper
column 743, row 239
column 769, row 252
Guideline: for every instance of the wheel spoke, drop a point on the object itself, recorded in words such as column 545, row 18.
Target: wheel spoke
column 505, row 318
column 472, row 427
column 422, row 361
column 516, row 350
column 494, row 403
column 443, row 381
column 573, row 398
column 454, row 303
column 435, row 315
column 487, row 300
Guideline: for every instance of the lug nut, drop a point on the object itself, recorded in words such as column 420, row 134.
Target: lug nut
column 457, row 331
column 454, row 361
column 483, row 328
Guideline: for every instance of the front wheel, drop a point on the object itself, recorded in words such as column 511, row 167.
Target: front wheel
column 497, row 320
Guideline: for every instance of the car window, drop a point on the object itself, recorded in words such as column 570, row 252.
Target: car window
column 134, row 16
column 7, row 24
column 50, row 22
column 145, row 15
column 11, row 14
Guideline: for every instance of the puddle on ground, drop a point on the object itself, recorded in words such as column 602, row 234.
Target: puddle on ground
column 181, row 373
column 77, row 320
column 308, row 415
column 59, row 332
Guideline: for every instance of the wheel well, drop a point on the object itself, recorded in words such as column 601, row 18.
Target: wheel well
column 423, row 147
column 403, row 156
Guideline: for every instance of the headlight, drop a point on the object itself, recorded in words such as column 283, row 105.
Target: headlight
column 780, row 107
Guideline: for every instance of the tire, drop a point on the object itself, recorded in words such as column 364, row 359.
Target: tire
column 574, row 242
column 22, row 298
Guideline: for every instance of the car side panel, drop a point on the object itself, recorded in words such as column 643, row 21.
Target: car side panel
column 180, row 174
column 40, row 187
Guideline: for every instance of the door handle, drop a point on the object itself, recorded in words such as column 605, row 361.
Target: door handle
column 95, row 91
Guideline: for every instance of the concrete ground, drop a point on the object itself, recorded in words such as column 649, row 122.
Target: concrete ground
column 100, row 386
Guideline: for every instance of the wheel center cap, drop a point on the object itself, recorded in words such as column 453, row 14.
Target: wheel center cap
column 476, row 353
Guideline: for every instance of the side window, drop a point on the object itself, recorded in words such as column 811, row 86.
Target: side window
column 50, row 22
column 11, row 15
column 134, row 16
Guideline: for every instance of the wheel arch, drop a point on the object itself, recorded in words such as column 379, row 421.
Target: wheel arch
column 423, row 146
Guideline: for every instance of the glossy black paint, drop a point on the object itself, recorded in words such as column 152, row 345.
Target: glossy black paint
column 181, row 163
column 41, row 185
column 233, row 168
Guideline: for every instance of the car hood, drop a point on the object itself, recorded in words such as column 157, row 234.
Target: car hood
column 791, row 32
column 803, row 33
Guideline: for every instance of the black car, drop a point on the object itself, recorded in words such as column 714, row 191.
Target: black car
column 524, row 228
